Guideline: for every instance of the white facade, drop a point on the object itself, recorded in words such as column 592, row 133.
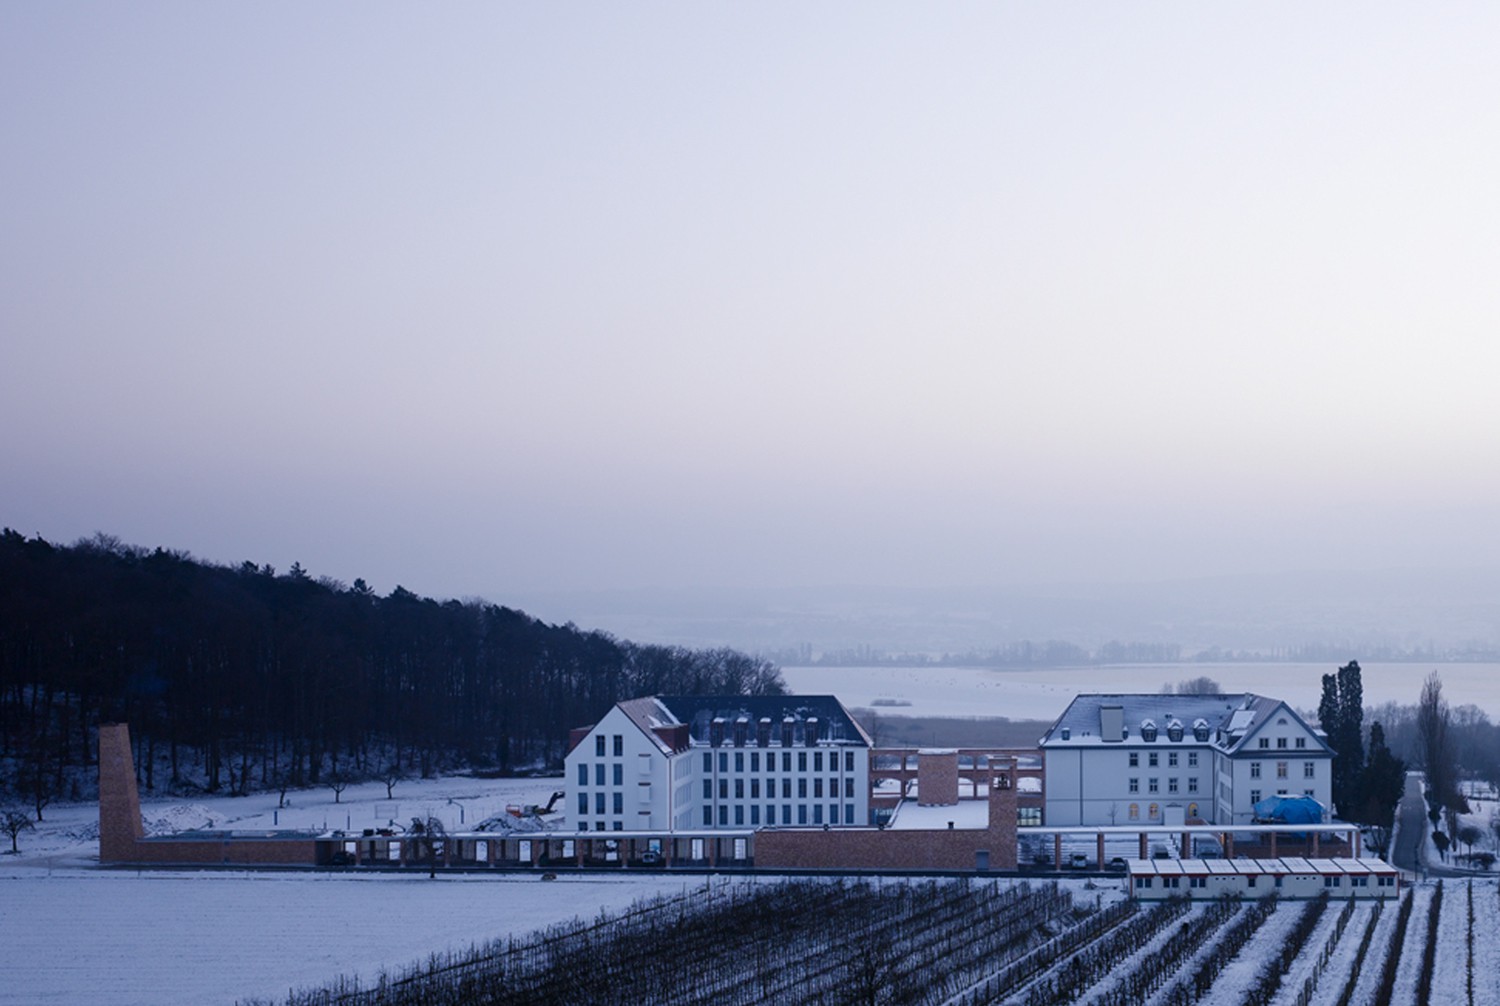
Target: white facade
column 731, row 762
column 1166, row 759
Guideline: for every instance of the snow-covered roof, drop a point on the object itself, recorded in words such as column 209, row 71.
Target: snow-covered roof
column 1222, row 721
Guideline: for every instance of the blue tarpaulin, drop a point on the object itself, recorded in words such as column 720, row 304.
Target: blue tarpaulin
column 1289, row 810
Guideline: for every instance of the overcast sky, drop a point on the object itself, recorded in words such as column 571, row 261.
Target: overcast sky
column 488, row 299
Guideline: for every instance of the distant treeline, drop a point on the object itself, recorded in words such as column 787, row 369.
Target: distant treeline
column 237, row 677
column 1059, row 653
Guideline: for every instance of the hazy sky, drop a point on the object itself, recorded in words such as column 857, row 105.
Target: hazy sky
column 495, row 298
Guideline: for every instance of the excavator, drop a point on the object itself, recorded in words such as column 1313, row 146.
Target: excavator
column 532, row 809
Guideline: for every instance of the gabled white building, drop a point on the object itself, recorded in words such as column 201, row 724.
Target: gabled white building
column 683, row 763
column 1166, row 759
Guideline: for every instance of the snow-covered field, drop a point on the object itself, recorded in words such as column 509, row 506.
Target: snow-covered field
column 1043, row 693
column 71, row 932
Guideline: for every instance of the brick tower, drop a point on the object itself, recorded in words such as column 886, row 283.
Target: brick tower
column 119, row 800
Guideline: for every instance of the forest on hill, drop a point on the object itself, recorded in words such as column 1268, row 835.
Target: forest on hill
column 237, row 677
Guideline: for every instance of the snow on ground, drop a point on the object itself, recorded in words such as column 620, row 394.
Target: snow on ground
column 1340, row 965
column 1451, row 968
column 1416, row 939
column 1307, row 961
column 1486, row 947
column 1373, row 963
column 1242, row 974
column 966, row 814
column 160, row 939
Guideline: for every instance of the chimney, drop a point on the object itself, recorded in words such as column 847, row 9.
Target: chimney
column 787, row 725
column 763, row 732
column 716, row 732
column 1112, row 723
column 741, row 731
column 810, row 731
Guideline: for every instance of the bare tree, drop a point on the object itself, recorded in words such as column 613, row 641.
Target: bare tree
column 338, row 782
column 1436, row 743
column 13, row 822
column 391, row 775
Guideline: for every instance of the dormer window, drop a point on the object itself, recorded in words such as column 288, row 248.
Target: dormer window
column 1067, row 733
column 1200, row 730
column 1174, row 730
column 1148, row 730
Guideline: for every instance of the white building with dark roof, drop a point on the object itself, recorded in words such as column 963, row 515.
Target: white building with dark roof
column 679, row 763
column 1169, row 759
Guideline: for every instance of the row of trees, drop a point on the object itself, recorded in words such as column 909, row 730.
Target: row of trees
column 240, row 677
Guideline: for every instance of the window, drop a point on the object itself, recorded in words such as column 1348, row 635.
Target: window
column 1278, row 882
column 739, row 789
column 1192, row 759
column 848, row 813
column 817, row 761
column 1198, row 882
column 1152, row 785
column 1135, row 759
column 598, row 773
column 848, row 761
column 1281, row 770
column 598, row 803
column 801, row 761
column 617, row 826
column 754, row 789
column 1281, row 742
column 619, row 802
column 786, row 789
column 1135, row 812
column 817, row 813
column 1172, row 785
column 599, row 746
column 739, row 815
column 755, row 761
column 1255, row 770
column 1301, row 742
column 1309, row 770
column 818, row 788
column 619, row 746
column 583, row 826
column 708, row 762
column 833, row 788
column 708, row 789
column 1264, row 742
column 1151, row 759
column 801, row 813
column 1171, row 881
column 1255, row 796
column 1250, row 880
column 755, row 813
column 770, row 813
column 802, row 789
column 786, row 761
column 739, row 761
column 786, row 813
column 723, row 815
column 1135, row 784
column 1172, row 760
column 583, row 774
column 723, row 789
column 1153, row 811
column 619, row 774
column 1192, row 784
column 723, row 761
column 1141, row 883
column 1308, row 792
column 1332, row 881
column 583, row 803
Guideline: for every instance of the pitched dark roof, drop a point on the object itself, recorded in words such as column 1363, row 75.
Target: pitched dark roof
column 835, row 725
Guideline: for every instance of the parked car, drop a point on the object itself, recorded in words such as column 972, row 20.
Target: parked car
column 1078, row 861
column 1117, row 865
column 652, row 858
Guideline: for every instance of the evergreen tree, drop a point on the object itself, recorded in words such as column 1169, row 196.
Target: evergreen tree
column 1384, row 781
column 1341, row 713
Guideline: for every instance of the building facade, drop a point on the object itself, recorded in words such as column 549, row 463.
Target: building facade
column 1166, row 759
column 683, row 763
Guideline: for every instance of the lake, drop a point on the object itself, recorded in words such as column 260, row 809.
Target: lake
column 1043, row 693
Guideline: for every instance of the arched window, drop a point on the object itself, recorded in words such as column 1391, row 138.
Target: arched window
column 1155, row 810
column 1135, row 812
column 1192, row 810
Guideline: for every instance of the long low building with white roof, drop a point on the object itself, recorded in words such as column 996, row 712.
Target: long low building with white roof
column 1286, row 877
